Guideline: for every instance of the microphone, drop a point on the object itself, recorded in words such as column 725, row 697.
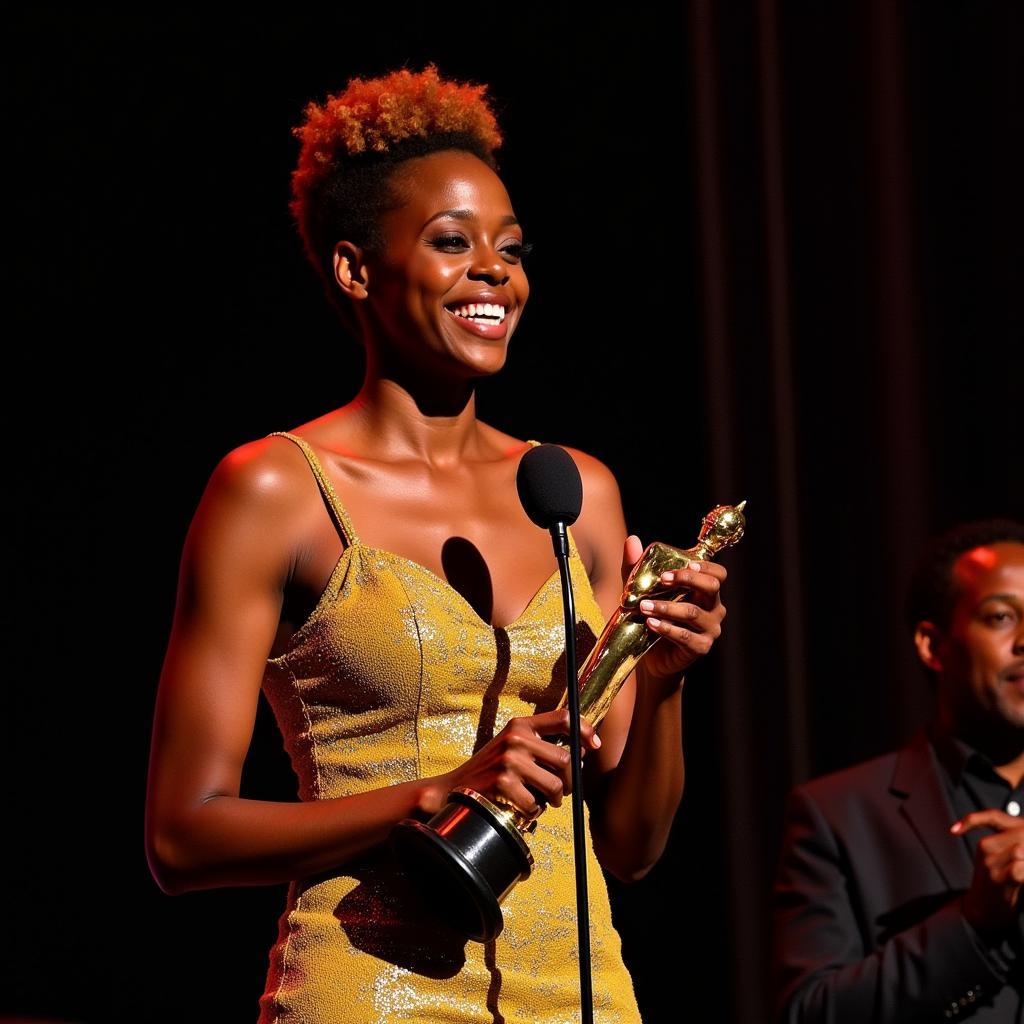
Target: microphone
column 551, row 491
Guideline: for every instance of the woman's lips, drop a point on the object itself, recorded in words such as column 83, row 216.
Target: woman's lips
column 493, row 332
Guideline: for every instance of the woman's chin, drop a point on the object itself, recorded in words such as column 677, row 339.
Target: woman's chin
column 485, row 362
column 492, row 368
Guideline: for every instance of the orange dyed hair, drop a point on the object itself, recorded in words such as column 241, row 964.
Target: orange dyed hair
column 371, row 115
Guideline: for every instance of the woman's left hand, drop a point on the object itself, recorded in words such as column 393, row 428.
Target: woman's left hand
column 689, row 627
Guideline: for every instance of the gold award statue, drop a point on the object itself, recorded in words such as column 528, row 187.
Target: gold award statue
column 475, row 847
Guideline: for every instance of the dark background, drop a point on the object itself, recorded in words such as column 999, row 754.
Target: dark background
column 777, row 258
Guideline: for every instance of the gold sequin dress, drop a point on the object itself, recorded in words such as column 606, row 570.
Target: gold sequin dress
column 393, row 677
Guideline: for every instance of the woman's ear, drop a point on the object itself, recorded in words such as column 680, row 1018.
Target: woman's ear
column 350, row 272
column 927, row 639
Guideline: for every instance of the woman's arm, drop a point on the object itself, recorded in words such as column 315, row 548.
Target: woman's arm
column 236, row 560
column 634, row 780
column 238, row 556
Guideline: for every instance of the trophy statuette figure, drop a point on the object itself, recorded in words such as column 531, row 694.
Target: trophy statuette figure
column 471, row 854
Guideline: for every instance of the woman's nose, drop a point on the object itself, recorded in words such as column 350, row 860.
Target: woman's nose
column 491, row 266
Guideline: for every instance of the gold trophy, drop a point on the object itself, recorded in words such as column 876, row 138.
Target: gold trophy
column 472, row 852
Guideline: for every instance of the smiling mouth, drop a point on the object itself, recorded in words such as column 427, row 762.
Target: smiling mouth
column 487, row 313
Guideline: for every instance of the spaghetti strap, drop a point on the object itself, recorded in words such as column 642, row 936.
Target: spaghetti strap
column 573, row 550
column 338, row 510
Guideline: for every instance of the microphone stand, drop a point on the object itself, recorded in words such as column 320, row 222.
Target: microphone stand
column 560, row 542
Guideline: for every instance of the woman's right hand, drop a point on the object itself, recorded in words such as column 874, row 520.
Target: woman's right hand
column 518, row 765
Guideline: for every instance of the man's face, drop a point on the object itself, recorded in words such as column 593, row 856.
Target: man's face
column 980, row 657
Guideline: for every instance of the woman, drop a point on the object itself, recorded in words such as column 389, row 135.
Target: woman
column 395, row 677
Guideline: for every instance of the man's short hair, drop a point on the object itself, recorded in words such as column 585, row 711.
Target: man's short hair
column 933, row 591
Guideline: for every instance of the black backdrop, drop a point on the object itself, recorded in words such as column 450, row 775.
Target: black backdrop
column 777, row 257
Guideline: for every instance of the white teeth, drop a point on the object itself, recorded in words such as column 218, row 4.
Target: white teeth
column 493, row 311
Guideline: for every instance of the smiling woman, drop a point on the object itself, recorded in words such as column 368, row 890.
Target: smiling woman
column 396, row 677
column 446, row 284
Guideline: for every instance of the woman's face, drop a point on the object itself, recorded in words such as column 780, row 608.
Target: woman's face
column 449, row 286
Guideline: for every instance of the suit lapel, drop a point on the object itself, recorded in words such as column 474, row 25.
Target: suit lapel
column 925, row 807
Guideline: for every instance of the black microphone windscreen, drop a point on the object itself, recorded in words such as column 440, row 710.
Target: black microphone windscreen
column 549, row 486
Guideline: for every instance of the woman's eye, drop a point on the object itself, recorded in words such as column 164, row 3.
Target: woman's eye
column 514, row 250
column 517, row 250
column 448, row 241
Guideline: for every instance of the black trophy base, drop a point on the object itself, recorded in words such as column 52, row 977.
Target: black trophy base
column 464, row 861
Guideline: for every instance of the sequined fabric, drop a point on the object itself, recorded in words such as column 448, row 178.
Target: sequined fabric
column 394, row 677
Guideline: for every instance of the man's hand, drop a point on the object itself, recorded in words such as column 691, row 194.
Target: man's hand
column 993, row 901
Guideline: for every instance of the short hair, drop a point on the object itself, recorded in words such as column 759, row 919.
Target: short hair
column 353, row 142
column 933, row 590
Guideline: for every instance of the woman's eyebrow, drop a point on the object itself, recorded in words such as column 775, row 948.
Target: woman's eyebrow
column 509, row 218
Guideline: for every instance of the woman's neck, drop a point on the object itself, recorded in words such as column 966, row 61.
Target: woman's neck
column 396, row 423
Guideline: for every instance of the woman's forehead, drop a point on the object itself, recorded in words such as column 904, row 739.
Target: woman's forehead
column 451, row 181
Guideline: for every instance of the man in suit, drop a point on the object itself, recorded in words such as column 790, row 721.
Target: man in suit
column 898, row 895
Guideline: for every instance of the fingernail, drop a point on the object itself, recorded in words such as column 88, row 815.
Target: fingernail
column 647, row 606
column 694, row 566
column 955, row 827
column 667, row 577
column 597, row 740
column 654, row 622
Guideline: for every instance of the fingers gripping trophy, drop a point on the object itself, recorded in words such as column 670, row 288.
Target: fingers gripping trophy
column 473, row 851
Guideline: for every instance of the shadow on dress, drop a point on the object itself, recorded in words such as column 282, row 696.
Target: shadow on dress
column 386, row 917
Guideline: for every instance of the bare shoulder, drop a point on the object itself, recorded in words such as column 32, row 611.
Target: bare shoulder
column 598, row 479
column 268, row 475
column 255, row 510
column 600, row 529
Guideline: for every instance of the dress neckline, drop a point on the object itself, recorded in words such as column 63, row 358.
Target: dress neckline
column 458, row 595
column 333, row 588
column 351, row 540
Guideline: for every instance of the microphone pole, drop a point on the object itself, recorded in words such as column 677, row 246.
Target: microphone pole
column 560, row 539
column 552, row 493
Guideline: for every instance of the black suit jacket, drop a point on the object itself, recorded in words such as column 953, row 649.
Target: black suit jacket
column 867, row 920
